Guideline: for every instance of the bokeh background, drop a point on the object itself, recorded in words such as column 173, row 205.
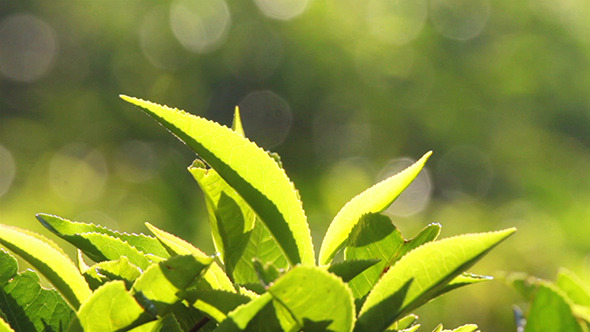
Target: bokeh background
column 345, row 91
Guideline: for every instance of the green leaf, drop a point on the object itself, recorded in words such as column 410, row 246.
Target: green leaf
column 215, row 303
column 214, row 277
column 9, row 266
column 238, row 319
column 461, row 280
column 65, row 228
column 421, row 274
column 120, row 269
column 372, row 200
column 26, row 305
column 351, row 268
column 249, row 170
column 427, row 234
column 229, row 216
column 575, row 289
column 551, row 311
column 524, row 284
column 4, row 327
column 110, row 308
column 374, row 237
column 267, row 273
column 167, row 323
column 42, row 254
column 162, row 282
column 310, row 294
column 102, row 247
column 465, row 328
column 237, row 233
column 403, row 323
column 237, row 123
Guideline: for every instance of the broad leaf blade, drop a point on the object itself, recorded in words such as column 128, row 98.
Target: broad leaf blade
column 461, row 280
column 26, row 305
column 238, row 319
column 214, row 277
column 349, row 269
column 238, row 234
column 421, row 274
column 427, row 234
column 216, row 303
column 318, row 300
column 249, row 170
column 120, row 269
column 110, row 308
column 551, row 311
column 68, row 228
column 162, row 283
column 103, row 247
column 372, row 200
column 42, row 254
column 575, row 289
column 374, row 237
column 403, row 323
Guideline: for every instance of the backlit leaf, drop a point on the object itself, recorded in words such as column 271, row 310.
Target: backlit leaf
column 161, row 283
column 239, row 318
column 238, row 234
column 214, row 277
column 318, row 300
column 551, row 311
column 349, row 269
column 120, row 269
column 575, row 289
column 65, row 228
column 216, row 303
column 42, row 254
column 421, row 274
column 110, row 308
column 25, row 304
column 374, row 237
column 373, row 200
column 249, row 170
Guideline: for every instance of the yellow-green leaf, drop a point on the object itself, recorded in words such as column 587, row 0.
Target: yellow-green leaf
column 249, row 170
column 373, row 200
column 42, row 254
column 110, row 308
column 421, row 274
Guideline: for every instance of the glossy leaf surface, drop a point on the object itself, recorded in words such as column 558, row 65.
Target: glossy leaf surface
column 214, row 277
column 249, row 170
column 373, row 200
column 66, row 229
column 162, row 283
column 110, row 308
column 421, row 274
column 44, row 256
column 310, row 294
column 238, row 234
column 26, row 305
column 374, row 237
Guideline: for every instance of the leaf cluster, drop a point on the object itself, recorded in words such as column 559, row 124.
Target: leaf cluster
column 560, row 305
column 264, row 276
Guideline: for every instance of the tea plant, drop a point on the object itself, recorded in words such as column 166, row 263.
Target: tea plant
column 264, row 277
column 563, row 305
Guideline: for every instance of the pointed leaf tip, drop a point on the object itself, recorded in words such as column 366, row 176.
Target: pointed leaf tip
column 373, row 200
column 237, row 123
column 247, row 168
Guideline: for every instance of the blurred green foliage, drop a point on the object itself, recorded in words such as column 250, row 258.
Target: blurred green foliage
column 341, row 89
